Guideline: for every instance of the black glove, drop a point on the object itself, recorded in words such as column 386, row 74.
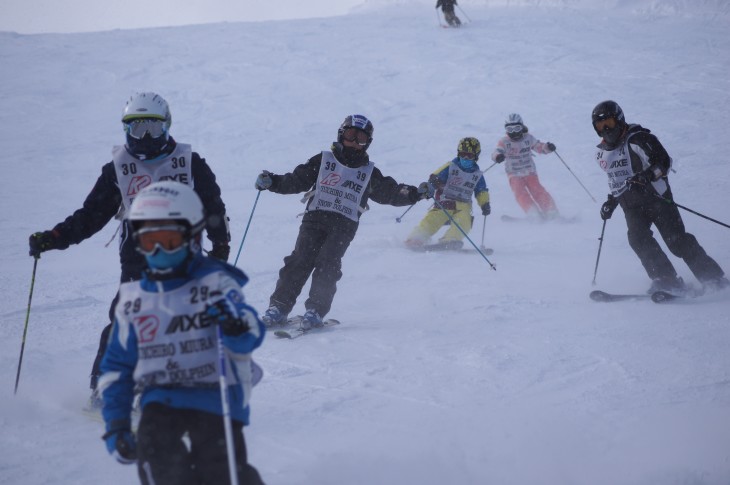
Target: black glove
column 121, row 445
column 42, row 241
column 223, row 315
column 608, row 207
column 486, row 209
column 550, row 147
column 499, row 158
column 426, row 190
column 220, row 251
column 641, row 180
column 263, row 181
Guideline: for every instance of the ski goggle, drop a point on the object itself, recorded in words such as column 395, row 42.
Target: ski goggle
column 513, row 128
column 140, row 127
column 607, row 123
column 168, row 238
column 467, row 155
column 356, row 135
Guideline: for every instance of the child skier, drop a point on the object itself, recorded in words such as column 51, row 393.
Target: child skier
column 164, row 343
column 516, row 149
column 447, row 7
column 455, row 183
column 340, row 181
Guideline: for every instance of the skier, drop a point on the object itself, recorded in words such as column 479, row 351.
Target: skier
column 447, row 7
column 150, row 154
column 516, row 149
column 637, row 166
column 164, row 344
column 340, row 182
column 455, row 183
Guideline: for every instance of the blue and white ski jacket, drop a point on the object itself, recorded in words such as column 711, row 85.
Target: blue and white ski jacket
column 163, row 346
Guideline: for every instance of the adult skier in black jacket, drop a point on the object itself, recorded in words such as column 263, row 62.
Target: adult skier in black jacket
column 341, row 182
column 637, row 166
column 149, row 155
column 447, row 7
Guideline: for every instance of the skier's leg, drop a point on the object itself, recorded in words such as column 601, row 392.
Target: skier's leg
column 542, row 197
column 429, row 225
column 298, row 266
column 462, row 216
column 641, row 239
column 522, row 195
column 208, row 450
column 328, row 268
column 162, row 457
column 684, row 245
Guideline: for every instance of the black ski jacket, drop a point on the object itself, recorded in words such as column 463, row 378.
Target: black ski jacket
column 381, row 189
column 104, row 202
column 656, row 157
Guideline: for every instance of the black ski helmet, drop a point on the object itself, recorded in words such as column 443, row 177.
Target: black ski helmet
column 605, row 110
column 360, row 122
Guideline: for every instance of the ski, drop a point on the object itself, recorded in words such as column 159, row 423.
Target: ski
column 438, row 247
column 665, row 296
column 299, row 331
column 602, row 296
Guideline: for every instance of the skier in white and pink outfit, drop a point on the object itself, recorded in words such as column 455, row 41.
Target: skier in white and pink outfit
column 516, row 150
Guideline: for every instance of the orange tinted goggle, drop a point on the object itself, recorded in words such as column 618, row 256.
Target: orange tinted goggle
column 168, row 238
column 607, row 123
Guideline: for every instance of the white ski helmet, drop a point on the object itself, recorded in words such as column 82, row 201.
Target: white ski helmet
column 513, row 119
column 514, row 126
column 168, row 200
column 147, row 105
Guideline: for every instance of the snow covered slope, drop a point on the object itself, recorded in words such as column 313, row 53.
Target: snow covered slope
column 443, row 371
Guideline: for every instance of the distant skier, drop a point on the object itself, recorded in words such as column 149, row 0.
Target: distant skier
column 456, row 182
column 638, row 166
column 164, row 344
column 516, row 150
column 149, row 155
column 447, row 7
column 340, row 181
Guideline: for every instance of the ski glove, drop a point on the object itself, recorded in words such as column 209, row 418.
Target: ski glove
column 121, row 445
column 220, row 251
column 499, row 158
column 227, row 318
column 426, row 190
column 42, row 241
column 486, row 209
column 641, row 180
column 608, row 207
column 550, row 147
column 263, row 182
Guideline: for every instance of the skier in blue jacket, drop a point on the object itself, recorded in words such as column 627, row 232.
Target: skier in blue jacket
column 164, row 345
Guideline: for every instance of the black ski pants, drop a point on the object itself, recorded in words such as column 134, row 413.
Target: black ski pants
column 322, row 242
column 129, row 273
column 666, row 218
column 165, row 458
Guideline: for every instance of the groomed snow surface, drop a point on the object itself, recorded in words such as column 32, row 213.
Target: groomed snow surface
column 443, row 370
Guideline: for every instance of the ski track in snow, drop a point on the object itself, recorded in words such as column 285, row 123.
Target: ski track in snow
column 442, row 371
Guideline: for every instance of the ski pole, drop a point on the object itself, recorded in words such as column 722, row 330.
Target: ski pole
column 25, row 329
column 247, row 226
column 462, row 11
column 487, row 169
column 484, row 226
column 438, row 18
column 670, row 201
column 230, row 450
column 598, row 256
column 576, row 178
column 456, row 224
column 398, row 219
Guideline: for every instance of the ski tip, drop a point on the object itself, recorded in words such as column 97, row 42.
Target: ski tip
column 282, row 334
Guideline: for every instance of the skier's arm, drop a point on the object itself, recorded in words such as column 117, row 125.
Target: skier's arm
column 385, row 190
column 116, row 384
column 481, row 192
column 243, row 331
column 439, row 177
column 654, row 157
column 499, row 152
column 100, row 206
column 207, row 188
column 301, row 179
